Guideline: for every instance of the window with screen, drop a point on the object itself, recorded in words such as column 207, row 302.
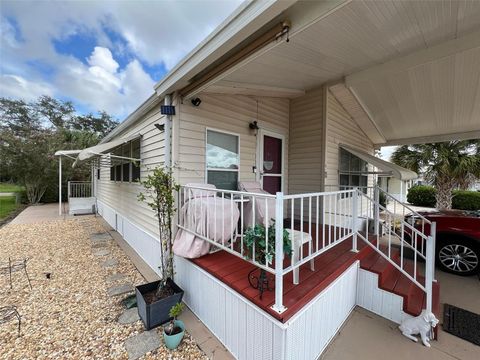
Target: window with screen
column 135, row 165
column 223, row 159
column 353, row 171
column 123, row 169
column 126, row 152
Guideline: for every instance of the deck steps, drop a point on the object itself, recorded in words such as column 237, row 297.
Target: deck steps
column 392, row 280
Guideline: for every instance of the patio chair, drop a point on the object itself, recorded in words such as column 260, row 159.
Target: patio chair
column 204, row 214
column 14, row 266
column 298, row 238
column 8, row 313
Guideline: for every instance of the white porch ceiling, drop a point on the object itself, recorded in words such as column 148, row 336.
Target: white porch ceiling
column 428, row 100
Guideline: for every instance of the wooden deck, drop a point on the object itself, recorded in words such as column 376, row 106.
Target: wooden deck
column 233, row 271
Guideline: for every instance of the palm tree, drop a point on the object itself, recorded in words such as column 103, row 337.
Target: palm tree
column 447, row 165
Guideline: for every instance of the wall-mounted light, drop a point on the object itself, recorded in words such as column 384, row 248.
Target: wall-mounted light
column 254, row 126
column 160, row 127
column 196, row 101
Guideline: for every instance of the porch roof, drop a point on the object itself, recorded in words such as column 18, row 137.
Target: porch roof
column 388, row 167
column 411, row 67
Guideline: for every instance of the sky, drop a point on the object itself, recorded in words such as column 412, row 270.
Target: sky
column 101, row 55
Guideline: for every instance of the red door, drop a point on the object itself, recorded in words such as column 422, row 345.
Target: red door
column 272, row 167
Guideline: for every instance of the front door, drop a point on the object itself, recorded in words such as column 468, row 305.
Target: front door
column 271, row 170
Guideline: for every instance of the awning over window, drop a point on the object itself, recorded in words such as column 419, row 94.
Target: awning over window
column 387, row 167
column 102, row 149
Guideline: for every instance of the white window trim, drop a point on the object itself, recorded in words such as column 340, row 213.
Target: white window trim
column 215, row 169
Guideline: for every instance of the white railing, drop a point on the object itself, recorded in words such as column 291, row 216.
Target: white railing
column 79, row 189
column 313, row 223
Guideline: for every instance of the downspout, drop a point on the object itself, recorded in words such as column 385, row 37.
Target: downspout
column 168, row 134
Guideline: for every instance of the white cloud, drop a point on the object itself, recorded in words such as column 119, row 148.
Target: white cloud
column 153, row 32
column 17, row 87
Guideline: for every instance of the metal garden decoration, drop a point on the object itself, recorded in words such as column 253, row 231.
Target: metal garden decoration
column 261, row 249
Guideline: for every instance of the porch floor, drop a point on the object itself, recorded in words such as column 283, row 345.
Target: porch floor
column 233, row 271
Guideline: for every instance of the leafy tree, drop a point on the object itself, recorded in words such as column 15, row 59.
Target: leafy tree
column 31, row 133
column 447, row 165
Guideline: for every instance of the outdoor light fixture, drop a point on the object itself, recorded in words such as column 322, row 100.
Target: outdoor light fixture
column 160, row 127
column 196, row 101
column 253, row 125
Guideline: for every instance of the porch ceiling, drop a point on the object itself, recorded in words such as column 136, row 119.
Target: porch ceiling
column 413, row 66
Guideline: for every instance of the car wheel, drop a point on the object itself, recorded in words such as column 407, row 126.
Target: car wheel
column 458, row 256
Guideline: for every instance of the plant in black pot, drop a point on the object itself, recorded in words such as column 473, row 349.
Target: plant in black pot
column 154, row 300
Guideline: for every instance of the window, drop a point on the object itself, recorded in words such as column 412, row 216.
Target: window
column 124, row 169
column 223, row 159
column 353, row 171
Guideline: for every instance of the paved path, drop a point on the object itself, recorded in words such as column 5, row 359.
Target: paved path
column 40, row 213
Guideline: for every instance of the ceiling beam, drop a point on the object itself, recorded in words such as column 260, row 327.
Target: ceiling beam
column 469, row 135
column 417, row 58
column 238, row 88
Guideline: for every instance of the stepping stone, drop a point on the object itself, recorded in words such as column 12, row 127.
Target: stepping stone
column 129, row 316
column 110, row 263
column 116, row 277
column 138, row 345
column 103, row 252
column 119, row 290
column 99, row 244
column 100, row 236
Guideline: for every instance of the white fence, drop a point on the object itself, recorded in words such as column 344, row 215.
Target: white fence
column 79, row 189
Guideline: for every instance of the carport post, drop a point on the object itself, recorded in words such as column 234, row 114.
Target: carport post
column 60, row 185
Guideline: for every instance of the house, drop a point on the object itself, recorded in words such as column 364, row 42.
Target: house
column 297, row 95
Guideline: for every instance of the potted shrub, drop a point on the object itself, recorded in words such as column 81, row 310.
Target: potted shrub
column 256, row 242
column 173, row 333
column 154, row 300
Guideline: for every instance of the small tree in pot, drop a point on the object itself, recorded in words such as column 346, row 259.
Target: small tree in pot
column 156, row 299
column 173, row 333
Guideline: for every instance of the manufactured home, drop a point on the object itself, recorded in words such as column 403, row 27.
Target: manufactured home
column 274, row 120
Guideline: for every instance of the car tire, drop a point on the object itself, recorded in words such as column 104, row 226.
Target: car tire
column 458, row 255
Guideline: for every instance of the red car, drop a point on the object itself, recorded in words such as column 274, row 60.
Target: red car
column 458, row 239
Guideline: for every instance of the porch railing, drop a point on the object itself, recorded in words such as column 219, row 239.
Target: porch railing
column 79, row 189
column 315, row 223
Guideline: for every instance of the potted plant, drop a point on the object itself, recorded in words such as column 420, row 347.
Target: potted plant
column 154, row 300
column 262, row 251
column 173, row 333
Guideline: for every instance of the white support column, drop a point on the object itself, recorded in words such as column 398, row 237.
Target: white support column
column 377, row 210
column 354, row 219
column 60, row 185
column 168, row 134
column 430, row 266
column 278, row 306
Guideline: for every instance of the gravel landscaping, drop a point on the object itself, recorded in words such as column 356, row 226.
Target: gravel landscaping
column 71, row 315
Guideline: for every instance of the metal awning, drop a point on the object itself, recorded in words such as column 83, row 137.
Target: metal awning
column 386, row 166
column 101, row 150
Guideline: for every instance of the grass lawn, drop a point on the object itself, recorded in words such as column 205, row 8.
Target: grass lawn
column 7, row 187
column 7, row 205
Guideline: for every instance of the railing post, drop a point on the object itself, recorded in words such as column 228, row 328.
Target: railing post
column 354, row 218
column 376, row 212
column 278, row 306
column 68, row 190
column 430, row 266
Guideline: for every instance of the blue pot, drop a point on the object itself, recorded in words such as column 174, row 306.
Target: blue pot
column 172, row 341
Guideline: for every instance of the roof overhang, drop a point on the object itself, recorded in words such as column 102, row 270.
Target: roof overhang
column 103, row 148
column 67, row 153
column 387, row 167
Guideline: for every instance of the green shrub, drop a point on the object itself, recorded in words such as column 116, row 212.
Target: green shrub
column 422, row 195
column 466, row 200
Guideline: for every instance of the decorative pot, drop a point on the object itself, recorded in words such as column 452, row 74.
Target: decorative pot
column 157, row 312
column 172, row 341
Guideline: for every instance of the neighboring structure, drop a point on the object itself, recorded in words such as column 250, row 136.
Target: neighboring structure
column 297, row 96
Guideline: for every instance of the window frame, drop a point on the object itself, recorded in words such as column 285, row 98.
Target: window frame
column 351, row 173
column 237, row 170
column 121, row 167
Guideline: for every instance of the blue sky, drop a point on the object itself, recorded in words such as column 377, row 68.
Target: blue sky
column 102, row 55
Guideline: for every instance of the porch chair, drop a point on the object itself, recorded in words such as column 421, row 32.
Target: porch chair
column 298, row 239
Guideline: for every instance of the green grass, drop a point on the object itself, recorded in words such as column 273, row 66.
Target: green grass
column 7, row 205
column 7, row 187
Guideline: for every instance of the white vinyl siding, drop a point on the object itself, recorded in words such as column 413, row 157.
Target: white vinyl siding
column 122, row 197
column 341, row 129
column 305, row 150
column 229, row 113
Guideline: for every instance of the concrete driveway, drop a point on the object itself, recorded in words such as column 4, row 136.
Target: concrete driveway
column 368, row 336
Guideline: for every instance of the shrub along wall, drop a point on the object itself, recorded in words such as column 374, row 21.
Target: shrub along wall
column 424, row 195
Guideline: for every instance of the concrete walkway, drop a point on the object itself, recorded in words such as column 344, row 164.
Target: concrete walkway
column 41, row 213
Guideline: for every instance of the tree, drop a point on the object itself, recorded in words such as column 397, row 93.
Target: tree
column 447, row 165
column 30, row 133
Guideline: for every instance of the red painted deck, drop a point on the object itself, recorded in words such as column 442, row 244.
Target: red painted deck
column 233, row 271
